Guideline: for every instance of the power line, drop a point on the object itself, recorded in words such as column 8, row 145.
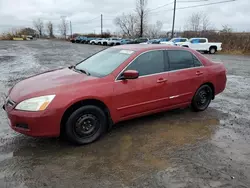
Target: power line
column 206, row 4
column 194, row 1
column 160, row 6
column 193, row 7
column 86, row 22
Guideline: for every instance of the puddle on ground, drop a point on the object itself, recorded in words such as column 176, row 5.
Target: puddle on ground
column 132, row 149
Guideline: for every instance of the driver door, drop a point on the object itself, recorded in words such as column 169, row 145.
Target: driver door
column 146, row 93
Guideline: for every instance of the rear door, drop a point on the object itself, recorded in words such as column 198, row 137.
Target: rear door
column 202, row 44
column 146, row 93
column 194, row 44
column 186, row 74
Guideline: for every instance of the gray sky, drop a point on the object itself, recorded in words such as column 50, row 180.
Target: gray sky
column 20, row 13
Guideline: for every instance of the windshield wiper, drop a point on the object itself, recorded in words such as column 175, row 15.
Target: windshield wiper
column 84, row 71
column 81, row 70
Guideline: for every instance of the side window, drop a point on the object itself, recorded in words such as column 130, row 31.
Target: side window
column 195, row 41
column 202, row 40
column 197, row 63
column 149, row 63
column 183, row 40
column 180, row 59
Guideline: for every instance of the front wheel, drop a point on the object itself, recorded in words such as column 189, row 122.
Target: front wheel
column 86, row 125
column 202, row 98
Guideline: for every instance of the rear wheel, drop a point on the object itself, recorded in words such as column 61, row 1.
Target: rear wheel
column 202, row 98
column 212, row 50
column 86, row 124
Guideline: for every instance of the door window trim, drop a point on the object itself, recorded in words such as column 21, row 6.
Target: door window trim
column 164, row 59
column 166, row 62
column 193, row 55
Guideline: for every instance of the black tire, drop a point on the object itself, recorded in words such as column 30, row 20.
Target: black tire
column 212, row 50
column 86, row 124
column 105, row 44
column 202, row 98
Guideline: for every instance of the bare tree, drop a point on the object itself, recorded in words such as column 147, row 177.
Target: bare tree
column 195, row 21
column 206, row 24
column 141, row 10
column 39, row 26
column 127, row 24
column 154, row 30
column 198, row 21
column 227, row 28
column 50, row 29
column 64, row 27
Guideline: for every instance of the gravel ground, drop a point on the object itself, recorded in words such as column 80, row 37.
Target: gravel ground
column 176, row 149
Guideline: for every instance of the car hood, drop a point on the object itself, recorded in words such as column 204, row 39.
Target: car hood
column 47, row 83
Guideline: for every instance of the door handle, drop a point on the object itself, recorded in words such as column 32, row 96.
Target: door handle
column 161, row 80
column 199, row 73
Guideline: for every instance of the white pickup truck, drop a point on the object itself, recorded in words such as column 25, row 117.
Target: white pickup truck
column 202, row 44
column 175, row 41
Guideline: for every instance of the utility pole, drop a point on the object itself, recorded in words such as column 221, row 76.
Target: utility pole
column 101, row 23
column 70, row 29
column 172, row 35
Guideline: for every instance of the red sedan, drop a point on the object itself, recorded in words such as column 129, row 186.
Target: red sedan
column 116, row 84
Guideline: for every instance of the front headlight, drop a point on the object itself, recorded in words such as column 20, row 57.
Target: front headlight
column 35, row 104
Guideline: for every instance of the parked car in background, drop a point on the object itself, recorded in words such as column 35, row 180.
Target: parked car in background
column 114, row 41
column 100, row 41
column 139, row 40
column 152, row 41
column 87, row 41
column 105, row 41
column 175, row 41
column 112, row 86
column 164, row 39
column 125, row 41
column 96, row 41
column 83, row 40
column 202, row 44
column 73, row 39
column 79, row 39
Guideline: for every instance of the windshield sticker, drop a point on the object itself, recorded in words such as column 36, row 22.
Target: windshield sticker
column 126, row 52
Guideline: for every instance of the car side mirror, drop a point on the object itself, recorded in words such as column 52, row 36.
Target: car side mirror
column 130, row 74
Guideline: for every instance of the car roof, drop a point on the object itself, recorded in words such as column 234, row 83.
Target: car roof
column 143, row 47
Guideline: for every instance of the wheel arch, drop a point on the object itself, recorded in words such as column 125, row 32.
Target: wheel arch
column 80, row 103
column 215, row 47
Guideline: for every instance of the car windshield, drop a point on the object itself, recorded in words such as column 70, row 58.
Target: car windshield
column 104, row 62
